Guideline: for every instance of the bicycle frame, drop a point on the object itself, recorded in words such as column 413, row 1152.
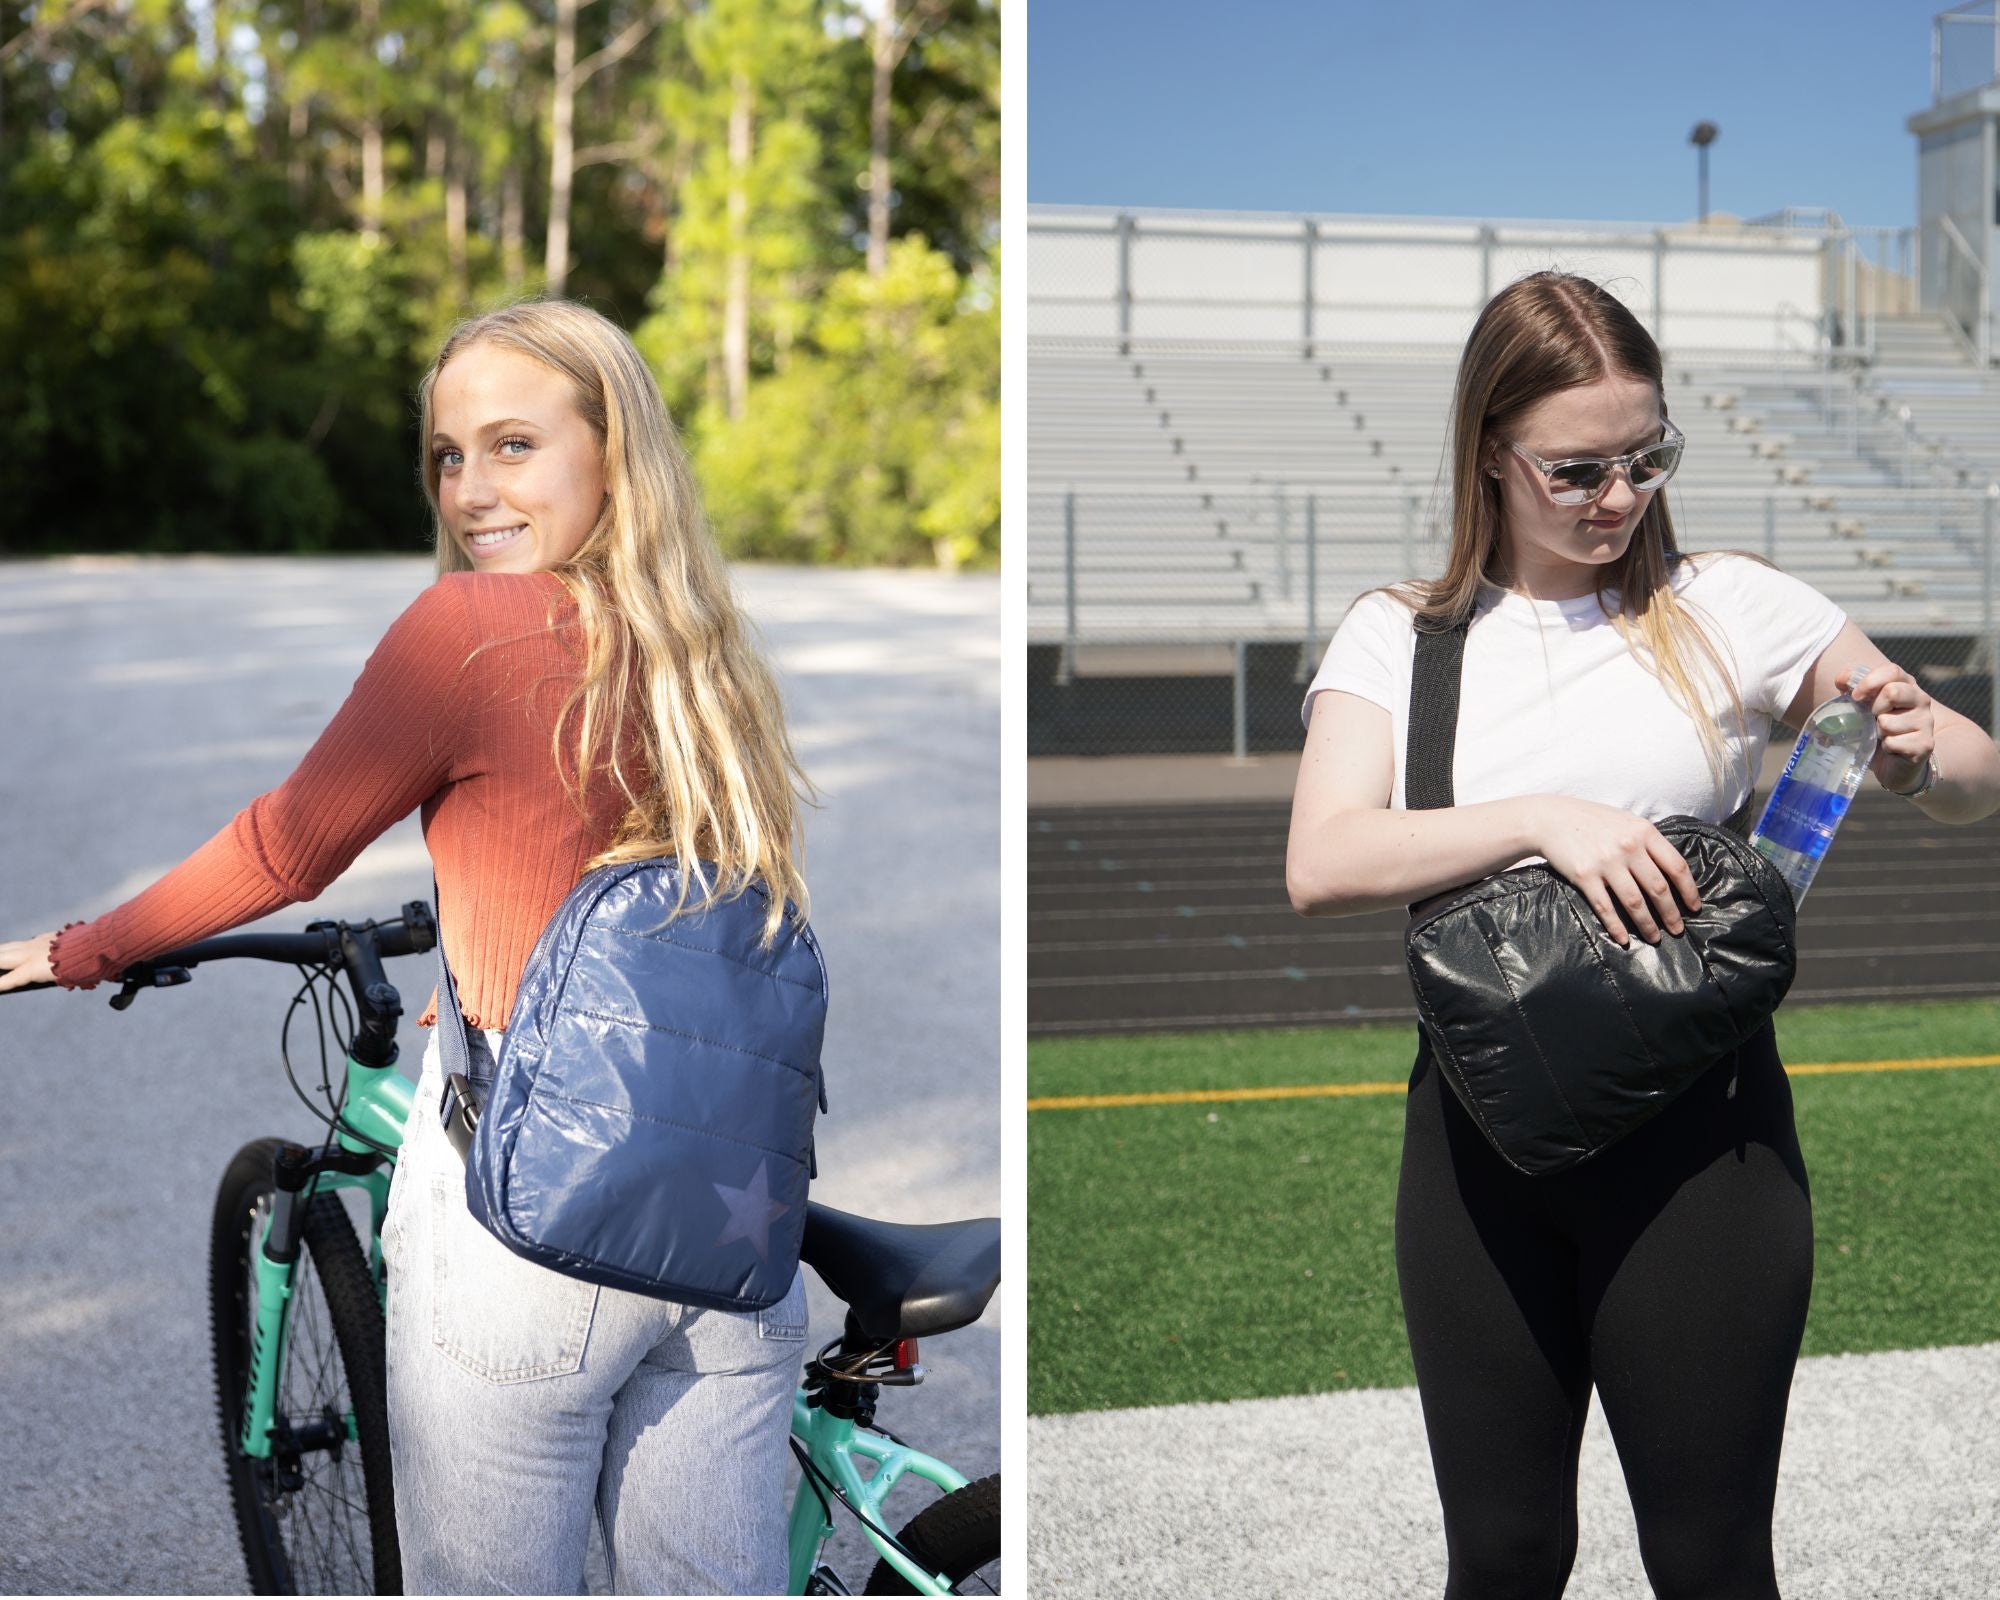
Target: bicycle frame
column 831, row 1444
column 376, row 1107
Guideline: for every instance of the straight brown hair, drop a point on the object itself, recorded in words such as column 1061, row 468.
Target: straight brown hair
column 1541, row 334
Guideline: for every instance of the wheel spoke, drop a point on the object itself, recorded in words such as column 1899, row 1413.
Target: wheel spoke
column 301, row 1507
column 363, row 1568
column 327, row 1492
column 323, row 1345
column 316, row 1537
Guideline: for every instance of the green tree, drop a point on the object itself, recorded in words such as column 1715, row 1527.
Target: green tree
column 237, row 229
column 882, row 445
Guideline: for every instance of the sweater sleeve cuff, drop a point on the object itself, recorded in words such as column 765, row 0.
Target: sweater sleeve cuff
column 82, row 972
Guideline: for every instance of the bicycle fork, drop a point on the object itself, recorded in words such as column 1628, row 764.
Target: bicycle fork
column 294, row 1175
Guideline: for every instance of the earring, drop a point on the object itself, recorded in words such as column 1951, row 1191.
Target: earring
column 1492, row 472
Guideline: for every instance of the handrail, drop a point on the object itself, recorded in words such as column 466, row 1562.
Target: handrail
column 1820, row 347
column 1816, row 219
column 1978, row 338
column 1971, row 12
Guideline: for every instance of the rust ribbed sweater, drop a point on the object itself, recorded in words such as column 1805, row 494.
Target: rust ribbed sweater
column 433, row 721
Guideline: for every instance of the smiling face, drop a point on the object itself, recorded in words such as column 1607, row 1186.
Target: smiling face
column 520, row 472
column 1551, row 551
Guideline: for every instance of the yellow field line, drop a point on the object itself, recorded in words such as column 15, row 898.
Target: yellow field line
column 1322, row 1091
column 1894, row 1066
column 1188, row 1097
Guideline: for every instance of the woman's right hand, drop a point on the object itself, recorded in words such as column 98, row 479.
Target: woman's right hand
column 1617, row 859
column 26, row 961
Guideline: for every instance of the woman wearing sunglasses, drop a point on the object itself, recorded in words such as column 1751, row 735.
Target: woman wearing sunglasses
column 1609, row 681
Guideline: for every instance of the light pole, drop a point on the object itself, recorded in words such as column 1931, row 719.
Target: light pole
column 1702, row 137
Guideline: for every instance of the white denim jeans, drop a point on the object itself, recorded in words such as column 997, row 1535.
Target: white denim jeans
column 522, row 1402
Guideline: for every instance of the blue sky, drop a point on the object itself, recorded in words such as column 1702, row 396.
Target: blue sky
column 1448, row 108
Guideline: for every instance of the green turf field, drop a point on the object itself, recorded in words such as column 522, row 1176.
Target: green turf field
column 1223, row 1250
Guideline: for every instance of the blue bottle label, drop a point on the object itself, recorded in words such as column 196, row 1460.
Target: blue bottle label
column 1801, row 817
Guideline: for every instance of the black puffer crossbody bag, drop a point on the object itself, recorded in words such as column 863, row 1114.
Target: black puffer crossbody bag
column 1556, row 1040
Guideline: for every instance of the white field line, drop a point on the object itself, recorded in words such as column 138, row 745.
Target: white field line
column 1890, row 1487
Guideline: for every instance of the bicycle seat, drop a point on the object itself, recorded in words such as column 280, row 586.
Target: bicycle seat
column 904, row 1280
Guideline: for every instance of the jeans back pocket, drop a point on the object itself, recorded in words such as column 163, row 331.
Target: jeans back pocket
column 499, row 1316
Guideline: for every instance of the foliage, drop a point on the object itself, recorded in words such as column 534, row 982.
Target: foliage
column 884, row 440
column 237, row 233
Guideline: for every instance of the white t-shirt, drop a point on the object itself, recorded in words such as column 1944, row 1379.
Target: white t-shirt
column 1552, row 700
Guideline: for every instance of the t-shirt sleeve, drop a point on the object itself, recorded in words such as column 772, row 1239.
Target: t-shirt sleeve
column 1778, row 627
column 387, row 749
column 1364, row 654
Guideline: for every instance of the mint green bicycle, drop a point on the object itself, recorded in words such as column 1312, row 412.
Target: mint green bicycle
column 297, row 1308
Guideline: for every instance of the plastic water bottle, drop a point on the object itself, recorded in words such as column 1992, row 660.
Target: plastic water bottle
column 1827, row 766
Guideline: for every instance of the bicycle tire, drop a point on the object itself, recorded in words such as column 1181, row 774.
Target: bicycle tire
column 958, row 1535
column 321, row 1520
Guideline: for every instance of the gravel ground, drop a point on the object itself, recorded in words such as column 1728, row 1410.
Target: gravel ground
column 1887, row 1490
column 145, row 702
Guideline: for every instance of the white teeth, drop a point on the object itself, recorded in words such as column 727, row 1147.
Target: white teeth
column 497, row 537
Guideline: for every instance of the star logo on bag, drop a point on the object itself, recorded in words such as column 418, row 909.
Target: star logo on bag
column 751, row 1212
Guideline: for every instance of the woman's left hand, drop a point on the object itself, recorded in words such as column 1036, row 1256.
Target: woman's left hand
column 1904, row 723
column 27, row 961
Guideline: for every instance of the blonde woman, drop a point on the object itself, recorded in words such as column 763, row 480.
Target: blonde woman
column 1609, row 682
column 575, row 689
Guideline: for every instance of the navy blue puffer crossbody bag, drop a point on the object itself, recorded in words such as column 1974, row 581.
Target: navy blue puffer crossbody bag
column 649, row 1122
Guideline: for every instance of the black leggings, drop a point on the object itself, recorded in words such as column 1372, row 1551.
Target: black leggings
column 1672, row 1271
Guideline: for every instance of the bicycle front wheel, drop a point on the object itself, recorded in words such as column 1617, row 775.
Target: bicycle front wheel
column 317, row 1516
column 957, row 1535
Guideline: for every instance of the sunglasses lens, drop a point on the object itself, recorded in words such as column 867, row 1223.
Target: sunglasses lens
column 1576, row 481
column 1657, row 465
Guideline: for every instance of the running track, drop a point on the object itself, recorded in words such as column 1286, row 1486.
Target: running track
column 1150, row 917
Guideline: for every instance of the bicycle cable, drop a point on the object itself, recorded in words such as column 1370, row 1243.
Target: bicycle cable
column 822, row 1485
column 335, row 1123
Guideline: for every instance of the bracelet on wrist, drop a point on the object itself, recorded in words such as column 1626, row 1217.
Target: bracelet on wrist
column 1924, row 786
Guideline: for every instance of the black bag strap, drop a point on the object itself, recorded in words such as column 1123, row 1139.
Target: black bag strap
column 1435, row 675
column 450, row 1020
column 1436, row 671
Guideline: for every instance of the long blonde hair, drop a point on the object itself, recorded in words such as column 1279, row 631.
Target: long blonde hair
column 1543, row 333
column 662, row 632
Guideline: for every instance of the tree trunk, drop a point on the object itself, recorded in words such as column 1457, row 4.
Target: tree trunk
column 454, row 226
column 513, row 253
column 736, row 308
column 562, row 149
column 372, row 184
column 297, row 128
column 683, row 169
column 371, row 175
column 878, row 139
column 298, row 125
column 434, row 152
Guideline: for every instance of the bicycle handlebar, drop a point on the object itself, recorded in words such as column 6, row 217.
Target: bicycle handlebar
column 359, row 948
column 411, row 934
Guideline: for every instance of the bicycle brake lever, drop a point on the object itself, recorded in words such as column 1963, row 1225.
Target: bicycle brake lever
column 153, row 978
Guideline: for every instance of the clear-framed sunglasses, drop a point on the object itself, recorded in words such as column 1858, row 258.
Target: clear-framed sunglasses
column 1577, row 480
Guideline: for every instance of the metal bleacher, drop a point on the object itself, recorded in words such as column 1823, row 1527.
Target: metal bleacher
column 1188, row 492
